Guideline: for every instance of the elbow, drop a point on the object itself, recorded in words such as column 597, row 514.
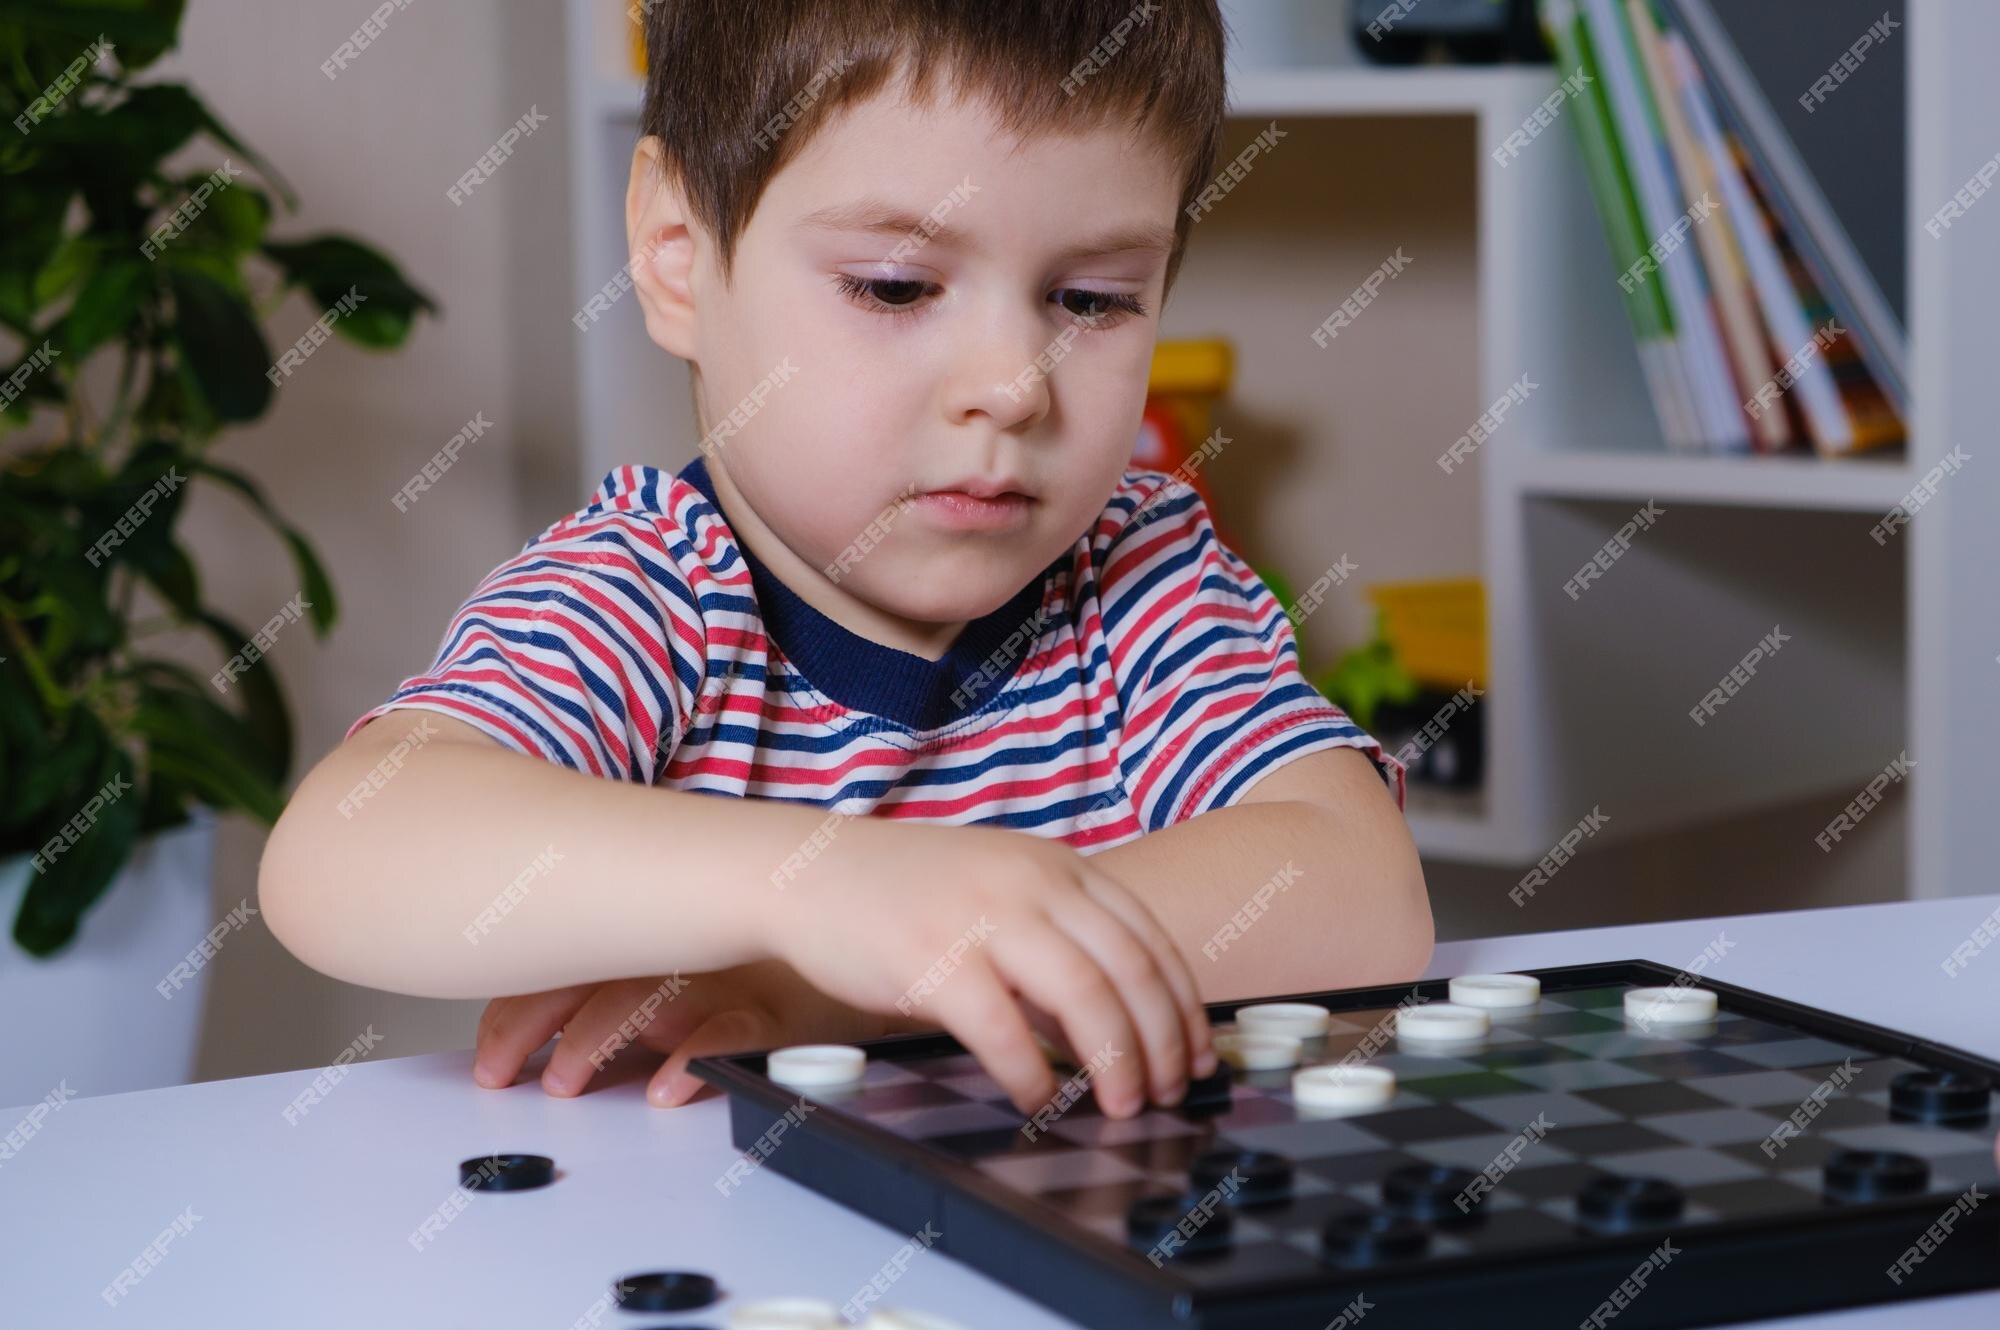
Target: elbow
column 1418, row 933
column 1414, row 932
column 288, row 897
column 1406, row 934
column 306, row 892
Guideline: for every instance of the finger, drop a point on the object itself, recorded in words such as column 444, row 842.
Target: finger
column 733, row 1031
column 590, row 1038
column 1144, row 992
column 615, row 1017
column 1050, row 1029
column 1114, row 896
column 493, row 1009
column 1052, row 970
column 520, row 1027
column 977, row 1009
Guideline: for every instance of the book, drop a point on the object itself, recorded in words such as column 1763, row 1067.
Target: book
column 1618, row 209
column 1851, row 286
column 1722, row 420
column 1862, row 416
column 1787, row 298
column 1735, row 303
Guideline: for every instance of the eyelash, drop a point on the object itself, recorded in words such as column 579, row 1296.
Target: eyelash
column 862, row 291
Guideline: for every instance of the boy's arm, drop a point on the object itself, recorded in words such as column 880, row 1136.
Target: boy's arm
column 1309, row 881
column 393, row 856
column 420, row 857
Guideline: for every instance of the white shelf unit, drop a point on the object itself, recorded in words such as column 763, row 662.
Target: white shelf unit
column 1894, row 648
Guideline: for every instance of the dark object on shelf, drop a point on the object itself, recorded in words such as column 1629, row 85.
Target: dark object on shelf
column 1443, row 749
column 1465, row 32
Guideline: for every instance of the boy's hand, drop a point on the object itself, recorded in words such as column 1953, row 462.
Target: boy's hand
column 983, row 930
column 728, row 1011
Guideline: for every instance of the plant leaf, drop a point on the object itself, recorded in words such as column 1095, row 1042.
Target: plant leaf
column 140, row 31
column 64, row 770
column 221, row 345
column 205, row 747
column 109, row 302
column 264, row 709
column 77, row 876
column 331, row 266
column 32, row 207
column 313, row 581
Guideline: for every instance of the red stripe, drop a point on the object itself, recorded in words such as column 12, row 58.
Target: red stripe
column 1150, row 712
column 566, row 682
column 1025, row 788
column 457, row 673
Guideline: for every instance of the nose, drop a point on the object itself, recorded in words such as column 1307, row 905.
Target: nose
column 1001, row 370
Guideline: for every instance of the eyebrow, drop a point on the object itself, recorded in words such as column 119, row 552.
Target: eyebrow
column 879, row 218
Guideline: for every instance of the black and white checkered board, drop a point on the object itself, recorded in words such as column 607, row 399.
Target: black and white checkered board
column 1558, row 1095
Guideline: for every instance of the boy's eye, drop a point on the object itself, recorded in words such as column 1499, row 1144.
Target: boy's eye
column 902, row 295
column 882, row 292
column 1097, row 306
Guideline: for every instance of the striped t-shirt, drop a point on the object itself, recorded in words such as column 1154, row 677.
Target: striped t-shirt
column 1147, row 675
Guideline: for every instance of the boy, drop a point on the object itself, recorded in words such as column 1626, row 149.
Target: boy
column 1005, row 736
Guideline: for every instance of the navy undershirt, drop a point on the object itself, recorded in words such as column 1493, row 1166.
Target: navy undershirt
column 866, row 676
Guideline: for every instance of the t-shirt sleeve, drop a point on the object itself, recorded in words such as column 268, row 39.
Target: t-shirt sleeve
column 585, row 649
column 1205, row 661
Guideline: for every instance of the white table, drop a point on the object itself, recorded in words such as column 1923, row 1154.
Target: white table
column 309, row 1224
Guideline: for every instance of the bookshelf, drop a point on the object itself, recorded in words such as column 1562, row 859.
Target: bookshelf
column 1862, row 485
column 1897, row 647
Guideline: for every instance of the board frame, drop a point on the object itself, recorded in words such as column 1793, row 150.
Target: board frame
column 1741, row 1269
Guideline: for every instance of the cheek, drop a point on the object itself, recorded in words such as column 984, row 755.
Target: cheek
column 1104, row 405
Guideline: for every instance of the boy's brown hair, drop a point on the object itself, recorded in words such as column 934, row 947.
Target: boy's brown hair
column 735, row 88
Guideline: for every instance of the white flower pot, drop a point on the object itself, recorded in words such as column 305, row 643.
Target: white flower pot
column 92, row 1016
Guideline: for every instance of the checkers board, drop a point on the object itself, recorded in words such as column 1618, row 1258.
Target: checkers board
column 1765, row 1163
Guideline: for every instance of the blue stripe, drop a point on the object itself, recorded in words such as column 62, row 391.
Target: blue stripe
column 1195, row 758
column 489, row 702
column 1290, row 741
column 941, row 781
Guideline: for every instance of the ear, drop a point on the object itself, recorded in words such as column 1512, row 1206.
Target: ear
column 662, row 241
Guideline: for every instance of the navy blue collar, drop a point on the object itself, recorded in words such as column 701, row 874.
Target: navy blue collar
column 866, row 676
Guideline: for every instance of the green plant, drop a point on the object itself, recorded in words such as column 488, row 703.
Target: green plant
column 112, row 260
column 1366, row 677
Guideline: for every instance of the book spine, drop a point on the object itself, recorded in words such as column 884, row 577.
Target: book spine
column 1635, row 124
column 1778, row 301
column 1735, row 308
column 1618, row 209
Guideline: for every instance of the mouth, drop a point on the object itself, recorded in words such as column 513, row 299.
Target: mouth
column 976, row 504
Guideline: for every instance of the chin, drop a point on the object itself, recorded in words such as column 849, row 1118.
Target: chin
column 953, row 599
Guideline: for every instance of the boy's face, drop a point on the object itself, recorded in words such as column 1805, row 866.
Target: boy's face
column 957, row 316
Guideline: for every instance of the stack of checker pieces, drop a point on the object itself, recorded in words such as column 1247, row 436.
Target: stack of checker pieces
column 1734, row 1123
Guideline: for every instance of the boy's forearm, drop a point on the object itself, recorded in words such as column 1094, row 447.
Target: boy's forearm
column 469, row 870
column 1289, row 894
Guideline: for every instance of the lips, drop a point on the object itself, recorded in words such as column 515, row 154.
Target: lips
column 976, row 504
column 983, row 487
